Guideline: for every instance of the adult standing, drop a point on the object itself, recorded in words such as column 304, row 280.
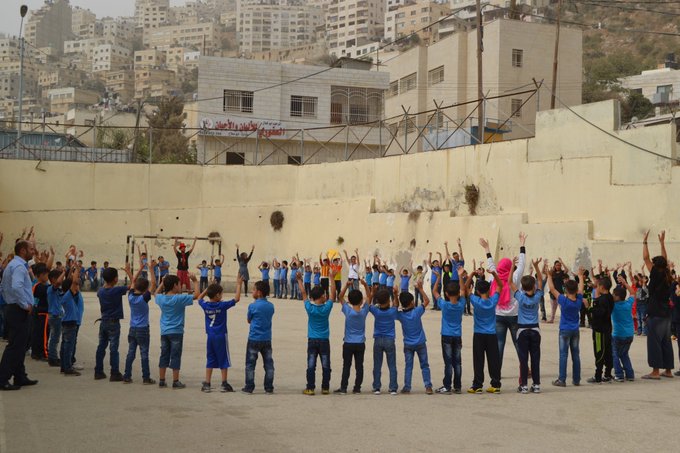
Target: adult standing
column 560, row 275
column 243, row 260
column 16, row 290
column 659, row 346
column 183, row 263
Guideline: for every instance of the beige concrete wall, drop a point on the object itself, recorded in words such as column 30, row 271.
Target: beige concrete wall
column 578, row 193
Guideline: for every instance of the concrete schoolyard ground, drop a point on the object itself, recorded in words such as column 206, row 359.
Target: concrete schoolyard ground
column 79, row 414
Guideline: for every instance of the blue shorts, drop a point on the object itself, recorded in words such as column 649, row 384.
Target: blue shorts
column 218, row 352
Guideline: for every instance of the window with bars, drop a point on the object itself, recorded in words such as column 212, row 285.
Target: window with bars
column 435, row 76
column 393, row 89
column 407, row 83
column 238, row 101
column 517, row 58
column 303, row 106
column 516, row 108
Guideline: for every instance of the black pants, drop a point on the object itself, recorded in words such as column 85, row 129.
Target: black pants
column 486, row 344
column 325, row 284
column 338, row 286
column 529, row 344
column 38, row 337
column 12, row 363
column 353, row 351
column 584, row 315
column 602, row 346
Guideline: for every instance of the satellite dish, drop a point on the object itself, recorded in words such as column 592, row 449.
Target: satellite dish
column 634, row 119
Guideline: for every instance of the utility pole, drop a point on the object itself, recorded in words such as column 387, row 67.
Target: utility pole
column 22, row 11
column 557, row 49
column 480, row 85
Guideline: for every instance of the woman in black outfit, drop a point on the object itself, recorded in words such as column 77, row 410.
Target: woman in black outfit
column 659, row 346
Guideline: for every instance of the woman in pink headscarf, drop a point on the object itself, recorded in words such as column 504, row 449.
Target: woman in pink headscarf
column 506, row 310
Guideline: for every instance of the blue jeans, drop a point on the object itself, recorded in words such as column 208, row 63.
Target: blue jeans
column 569, row 340
column 503, row 324
column 94, row 284
column 622, row 364
column 434, row 300
column 386, row 345
column 138, row 336
column 294, row 289
column 69, row 330
column 322, row 349
column 252, row 350
column 451, row 350
column 283, row 291
column 409, row 352
column 109, row 335
column 277, row 288
column 171, row 351
column 54, row 322
column 642, row 323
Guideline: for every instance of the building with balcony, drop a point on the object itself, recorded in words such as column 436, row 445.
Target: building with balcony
column 412, row 17
column 64, row 99
column 50, row 26
column 351, row 23
column 661, row 86
column 121, row 84
column 110, row 57
column 203, row 37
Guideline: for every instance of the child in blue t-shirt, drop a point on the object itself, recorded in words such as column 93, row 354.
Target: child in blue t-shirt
column 203, row 269
column 354, row 344
column 484, row 340
column 283, row 291
column 385, row 314
column 318, row 333
column 276, row 277
column 294, row 287
column 139, row 334
column 452, row 307
column 435, row 268
column 317, row 276
column 411, row 321
column 260, row 314
column 172, row 305
column 404, row 280
column 217, row 270
column 217, row 345
column 307, row 277
column 264, row 270
column 623, row 331
column 570, row 304
column 70, row 290
column 528, row 333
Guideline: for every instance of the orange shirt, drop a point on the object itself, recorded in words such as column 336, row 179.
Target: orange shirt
column 325, row 270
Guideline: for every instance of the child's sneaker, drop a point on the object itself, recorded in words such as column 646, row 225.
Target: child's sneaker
column 493, row 390
column 393, row 392
column 356, row 391
column 71, row 372
column 428, row 391
column 97, row 376
column 405, row 391
column 162, row 384
column 535, row 388
column 148, row 381
column 607, row 379
column 444, row 391
column 309, row 392
column 474, row 390
column 178, row 385
column 325, row 391
column 618, row 379
column 116, row 377
column 457, row 391
column 246, row 391
column 226, row 387
column 523, row 389
column 127, row 380
column 558, row 383
column 376, row 391
column 205, row 387
column 632, row 379
column 593, row 380
column 340, row 391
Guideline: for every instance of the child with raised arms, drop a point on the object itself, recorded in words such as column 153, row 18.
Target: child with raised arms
column 385, row 314
column 570, row 304
column 260, row 314
column 415, row 341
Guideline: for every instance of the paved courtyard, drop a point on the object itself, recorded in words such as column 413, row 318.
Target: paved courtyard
column 78, row 414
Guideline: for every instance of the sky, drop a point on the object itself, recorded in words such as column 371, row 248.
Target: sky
column 10, row 18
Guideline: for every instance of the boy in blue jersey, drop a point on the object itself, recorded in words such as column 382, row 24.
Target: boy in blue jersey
column 411, row 321
column 162, row 269
column 294, row 286
column 172, row 305
column 111, row 306
column 317, row 276
column 457, row 260
column 92, row 276
column 264, row 270
column 54, row 314
column 623, row 331
column 528, row 332
column 404, row 280
column 276, row 278
column 260, row 314
column 307, row 279
column 435, row 268
column 484, row 340
column 318, row 334
column 70, row 289
column 452, row 307
column 354, row 344
column 217, row 270
column 216, row 329
column 283, row 291
column 203, row 270
column 570, row 304
column 385, row 314
column 101, row 272
column 139, row 295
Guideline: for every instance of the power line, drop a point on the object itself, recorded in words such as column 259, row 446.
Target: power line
column 626, row 8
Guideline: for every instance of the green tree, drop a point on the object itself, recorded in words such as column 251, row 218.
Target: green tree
column 168, row 142
column 635, row 105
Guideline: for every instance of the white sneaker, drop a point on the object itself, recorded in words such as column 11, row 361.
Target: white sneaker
column 78, row 367
column 522, row 389
column 393, row 392
column 535, row 388
column 376, row 392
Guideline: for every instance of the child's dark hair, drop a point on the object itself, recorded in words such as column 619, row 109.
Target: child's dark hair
column 93, row 263
column 169, row 282
column 53, row 275
column 375, row 267
column 382, row 296
column 528, row 283
column 482, row 286
column 110, row 274
column 405, row 299
column 571, row 287
column 40, row 269
column 263, row 287
column 452, row 289
column 66, row 284
column 204, row 262
column 284, row 262
column 141, row 285
column 605, row 282
column 316, row 293
column 214, row 289
column 419, row 268
column 619, row 293
column 355, row 297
